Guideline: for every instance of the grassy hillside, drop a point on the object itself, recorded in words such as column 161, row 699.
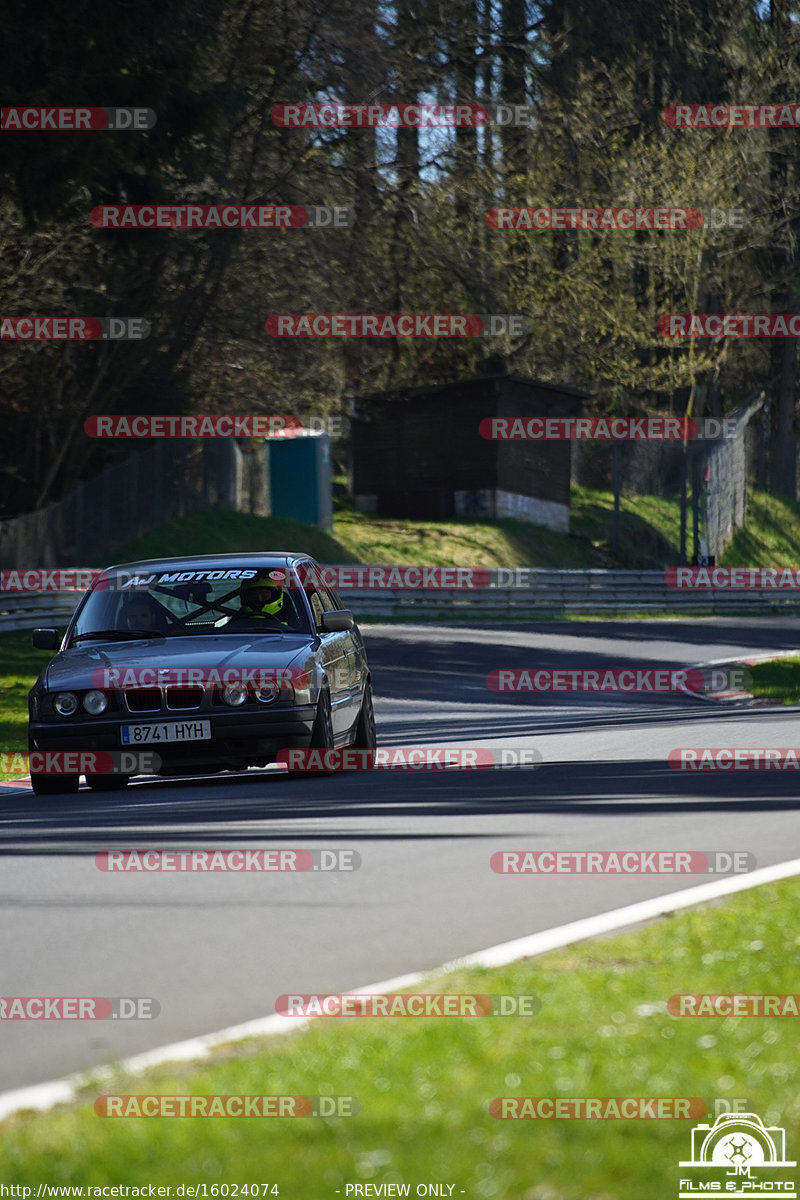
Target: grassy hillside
column 649, row 537
column 358, row 537
column 770, row 537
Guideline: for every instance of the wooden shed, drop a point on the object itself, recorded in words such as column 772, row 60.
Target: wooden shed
column 417, row 452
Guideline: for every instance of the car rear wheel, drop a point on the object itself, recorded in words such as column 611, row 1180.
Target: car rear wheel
column 107, row 783
column 365, row 737
column 54, row 785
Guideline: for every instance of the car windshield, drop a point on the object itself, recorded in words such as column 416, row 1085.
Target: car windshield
column 179, row 604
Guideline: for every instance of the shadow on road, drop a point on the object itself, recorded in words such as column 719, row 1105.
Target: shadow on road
column 453, row 665
column 248, row 809
column 425, row 669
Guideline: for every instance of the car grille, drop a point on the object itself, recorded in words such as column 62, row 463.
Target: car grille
column 184, row 698
column 143, row 700
column 150, row 700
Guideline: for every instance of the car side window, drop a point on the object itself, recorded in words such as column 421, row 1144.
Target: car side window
column 321, row 602
column 336, row 600
column 316, row 606
column 328, row 600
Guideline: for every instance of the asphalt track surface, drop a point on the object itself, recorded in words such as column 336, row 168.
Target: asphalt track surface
column 218, row 949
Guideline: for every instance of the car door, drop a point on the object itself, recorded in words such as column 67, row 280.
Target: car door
column 356, row 658
column 336, row 657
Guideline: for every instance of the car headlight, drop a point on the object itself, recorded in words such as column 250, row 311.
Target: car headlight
column 234, row 696
column 95, row 703
column 266, row 695
column 66, row 704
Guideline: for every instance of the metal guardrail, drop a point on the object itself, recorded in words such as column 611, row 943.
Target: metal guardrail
column 562, row 592
column 21, row 611
column 543, row 593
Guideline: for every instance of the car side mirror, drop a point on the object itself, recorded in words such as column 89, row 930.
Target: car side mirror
column 45, row 639
column 337, row 621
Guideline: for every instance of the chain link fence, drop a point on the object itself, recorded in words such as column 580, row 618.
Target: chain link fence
column 130, row 497
column 707, row 478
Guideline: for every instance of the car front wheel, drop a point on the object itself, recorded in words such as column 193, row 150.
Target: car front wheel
column 321, row 736
column 107, row 783
column 53, row 785
column 322, row 732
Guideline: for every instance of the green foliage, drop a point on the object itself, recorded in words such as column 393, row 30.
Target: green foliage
column 770, row 536
column 19, row 666
column 777, row 681
column 213, row 72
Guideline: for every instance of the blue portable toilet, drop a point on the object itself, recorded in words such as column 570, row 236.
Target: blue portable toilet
column 301, row 483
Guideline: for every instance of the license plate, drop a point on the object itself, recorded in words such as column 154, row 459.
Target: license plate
column 166, row 731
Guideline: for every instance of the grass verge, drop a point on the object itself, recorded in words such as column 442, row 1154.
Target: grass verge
column 19, row 666
column 771, row 535
column 649, row 527
column 424, row 1085
column 649, row 536
column 777, row 680
column 362, row 537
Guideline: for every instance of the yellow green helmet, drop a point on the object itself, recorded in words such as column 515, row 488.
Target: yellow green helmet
column 263, row 595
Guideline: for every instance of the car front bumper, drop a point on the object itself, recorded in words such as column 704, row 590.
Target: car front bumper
column 236, row 738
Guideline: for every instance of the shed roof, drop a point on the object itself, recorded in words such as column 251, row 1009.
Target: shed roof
column 409, row 393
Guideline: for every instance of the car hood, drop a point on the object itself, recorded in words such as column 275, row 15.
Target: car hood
column 73, row 668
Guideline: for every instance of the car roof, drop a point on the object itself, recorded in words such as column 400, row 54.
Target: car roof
column 256, row 558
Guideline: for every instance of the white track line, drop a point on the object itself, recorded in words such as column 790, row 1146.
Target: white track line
column 60, row 1091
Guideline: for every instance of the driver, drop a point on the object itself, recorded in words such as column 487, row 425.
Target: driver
column 261, row 598
column 142, row 612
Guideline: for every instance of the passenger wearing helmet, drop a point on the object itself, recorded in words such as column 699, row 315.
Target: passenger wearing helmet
column 261, row 599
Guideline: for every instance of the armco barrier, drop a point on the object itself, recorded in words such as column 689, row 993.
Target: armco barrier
column 556, row 593
column 20, row 611
column 545, row 593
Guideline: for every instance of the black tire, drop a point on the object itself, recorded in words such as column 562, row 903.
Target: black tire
column 322, row 732
column 365, row 737
column 321, row 736
column 54, row 785
column 107, row 783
